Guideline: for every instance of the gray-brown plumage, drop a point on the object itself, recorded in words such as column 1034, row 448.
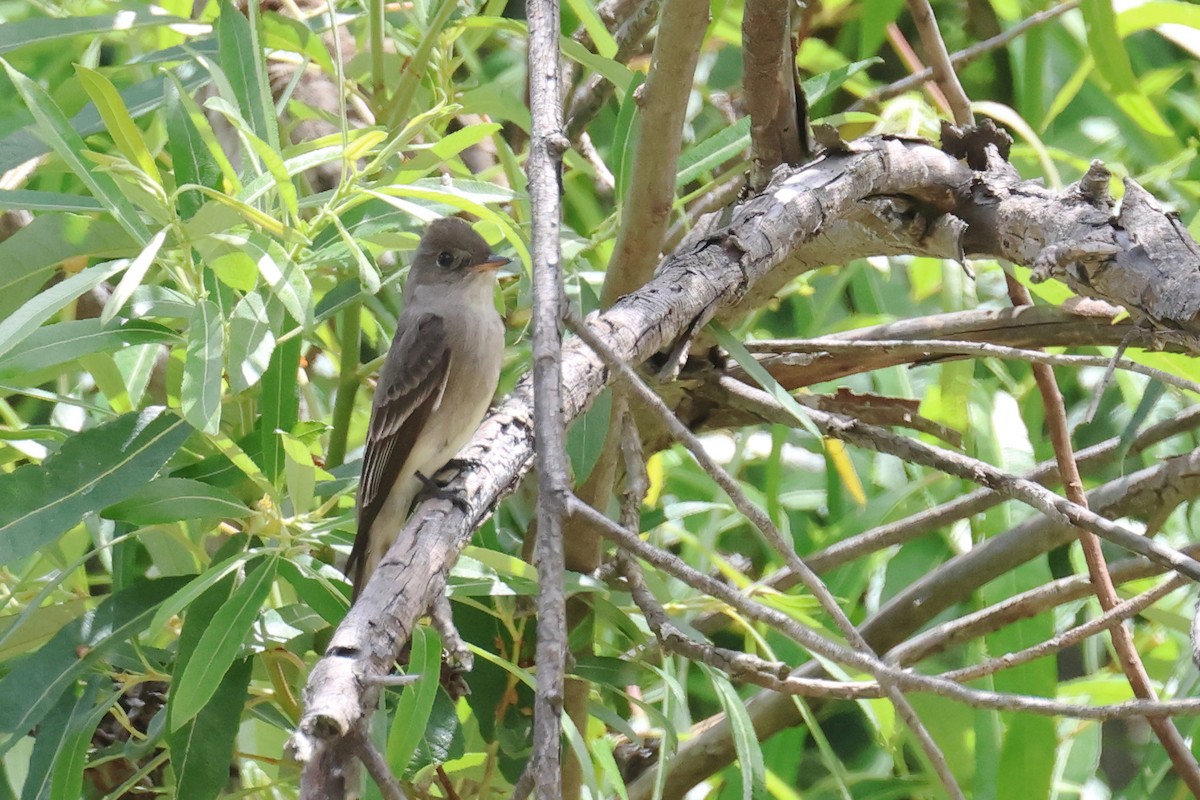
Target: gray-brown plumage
column 436, row 383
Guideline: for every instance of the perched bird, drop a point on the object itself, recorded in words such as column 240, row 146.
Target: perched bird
column 435, row 386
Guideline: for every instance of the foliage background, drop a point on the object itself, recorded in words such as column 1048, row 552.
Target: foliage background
column 184, row 325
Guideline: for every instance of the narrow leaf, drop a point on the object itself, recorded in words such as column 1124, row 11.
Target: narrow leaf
column 125, row 134
column 241, row 58
column 280, row 403
column 30, row 257
column 25, row 320
column 133, row 277
column 251, row 342
column 416, row 701
column 37, row 681
column 202, row 748
column 91, row 470
column 201, row 392
column 14, row 35
column 219, row 646
column 70, row 147
column 176, row 499
column 193, row 162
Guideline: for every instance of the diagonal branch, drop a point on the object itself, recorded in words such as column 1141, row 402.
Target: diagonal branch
column 874, row 197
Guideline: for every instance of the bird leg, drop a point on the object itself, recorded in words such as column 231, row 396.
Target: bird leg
column 433, row 490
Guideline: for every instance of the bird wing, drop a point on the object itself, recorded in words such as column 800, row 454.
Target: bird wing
column 406, row 395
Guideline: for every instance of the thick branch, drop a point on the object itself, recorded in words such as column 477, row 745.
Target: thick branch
column 879, row 197
column 663, row 107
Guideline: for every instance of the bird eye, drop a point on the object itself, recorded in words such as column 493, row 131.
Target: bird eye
column 445, row 259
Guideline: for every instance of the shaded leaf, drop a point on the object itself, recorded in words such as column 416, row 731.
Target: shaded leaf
column 416, row 700
column 241, row 58
column 201, row 392
column 198, row 679
column 36, row 682
column 202, row 748
column 92, row 469
column 176, row 499
column 69, row 146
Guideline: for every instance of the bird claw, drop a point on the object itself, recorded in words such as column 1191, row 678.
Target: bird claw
column 434, row 491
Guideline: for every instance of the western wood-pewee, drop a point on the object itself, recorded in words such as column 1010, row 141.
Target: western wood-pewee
column 436, row 383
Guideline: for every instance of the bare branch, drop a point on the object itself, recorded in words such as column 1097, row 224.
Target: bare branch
column 943, row 70
column 663, row 107
column 909, row 681
column 770, row 81
column 776, row 539
column 968, row 54
column 545, row 160
column 930, row 347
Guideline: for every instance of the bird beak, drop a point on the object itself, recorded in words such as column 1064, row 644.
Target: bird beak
column 492, row 263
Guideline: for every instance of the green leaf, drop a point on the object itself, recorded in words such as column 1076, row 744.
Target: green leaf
column 202, row 748
column 36, row 682
column 133, row 276
column 763, row 378
column 818, row 87
column 193, row 162
column 14, row 35
column 625, row 136
column 280, row 403
column 586, row 437
column 176, row 499
column 142, row 98
column 251, row 342
column 714, row 151
column 749, row 751
column 45, row 351
column 125, row 134
column 34, row 200
column 36, row 625
column 416, row 700
column 92, row 470
column 241, row 58
column 606, row 46
column 60, row 749
column 1112, row 62
column 69, row 146
column 201, row 392
column 26, row 319
column 315, row 590
column 30, row 257
column 198, row 680
column 269, row 156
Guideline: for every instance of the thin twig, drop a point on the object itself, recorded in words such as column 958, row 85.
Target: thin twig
column 1131, row 663
column 967, row 54
column 943, row 71
column 913, row 62
column 1056, row 508
column 378, row 769
column 636, row 20
column 547, row 145
column 909, row 681
column 929, row 347
column 1111, row 618
column 769, row 83
column 776, row 539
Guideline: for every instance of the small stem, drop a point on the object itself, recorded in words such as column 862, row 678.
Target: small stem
column 375, row 24
column 343, row 406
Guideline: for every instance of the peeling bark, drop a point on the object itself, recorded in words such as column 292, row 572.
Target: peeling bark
column 881, row 196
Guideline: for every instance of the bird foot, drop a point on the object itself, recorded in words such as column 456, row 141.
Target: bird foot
column 434, row 491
